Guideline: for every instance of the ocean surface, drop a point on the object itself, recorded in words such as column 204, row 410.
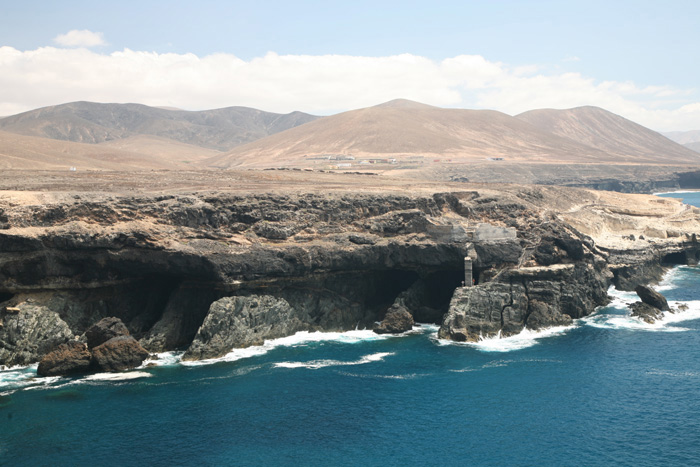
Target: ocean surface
column 609, row 390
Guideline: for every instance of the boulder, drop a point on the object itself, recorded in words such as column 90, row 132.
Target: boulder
column 236, row 322
column 396, row 320
column 69, row 358
column 118, row 354
column 652, row 297
column 104, row 330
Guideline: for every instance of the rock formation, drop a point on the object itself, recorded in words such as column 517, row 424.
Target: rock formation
column 396, row 320
column 104, row 330
column 30, row 331
column 70, row 358
column 236, row 322
column 652, row 306
column 109, row 348
column 118, row 354
column 652, row 297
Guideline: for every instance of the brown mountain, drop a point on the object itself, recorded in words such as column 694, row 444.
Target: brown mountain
column 403, row 129
column 31, row 152
column 89, row 122
column 612, row 134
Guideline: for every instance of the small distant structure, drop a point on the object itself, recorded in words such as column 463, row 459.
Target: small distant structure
column 73, row 169
column 495, row 158
column 492, row 233
column 344, row 165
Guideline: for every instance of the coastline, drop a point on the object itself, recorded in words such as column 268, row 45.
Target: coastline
column 312, row 262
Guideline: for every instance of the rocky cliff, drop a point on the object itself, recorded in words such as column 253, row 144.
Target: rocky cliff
column 209, row 272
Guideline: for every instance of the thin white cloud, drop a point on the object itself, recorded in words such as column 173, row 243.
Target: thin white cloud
column 80, row 38
column 322, row 84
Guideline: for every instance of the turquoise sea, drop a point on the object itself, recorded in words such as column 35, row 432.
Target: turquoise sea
column 609, row 390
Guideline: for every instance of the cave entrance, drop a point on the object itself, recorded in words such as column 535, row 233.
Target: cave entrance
column 5, row 296
column 675, row 258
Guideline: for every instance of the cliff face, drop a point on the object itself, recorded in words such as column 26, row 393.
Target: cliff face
column 208, row 272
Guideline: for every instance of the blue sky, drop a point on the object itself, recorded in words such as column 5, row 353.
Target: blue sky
column 638, row 59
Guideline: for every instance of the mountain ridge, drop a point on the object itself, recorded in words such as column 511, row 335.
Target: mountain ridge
column 404, row 129
column 91, row 122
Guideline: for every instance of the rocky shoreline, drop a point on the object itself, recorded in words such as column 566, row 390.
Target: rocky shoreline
column 207, row 272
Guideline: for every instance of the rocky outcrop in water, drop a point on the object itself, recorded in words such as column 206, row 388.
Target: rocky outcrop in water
column 647, row 313
column 652, row 306
column 397, row 320
column 109, row 348
column 70, row 358
column 237, row 322
column 104, row 330
column 28, row 332
column 652, row 297
column 118, row 354
column 534, row 297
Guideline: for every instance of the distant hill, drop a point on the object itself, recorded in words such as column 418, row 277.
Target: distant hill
column 89, row 122
column 615, row 135
column 694, row 146
column 31, row 152
column 405, row 130
column 402, row 129
column 684, row 137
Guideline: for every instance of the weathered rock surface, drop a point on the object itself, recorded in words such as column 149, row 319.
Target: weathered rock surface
column 652, row 297
column 647, row 313
column 236, row 322
column 30, row 333
column 70, row 358
column 118, row 354
column 396, row 320
column 104, row 330
column 534, row 297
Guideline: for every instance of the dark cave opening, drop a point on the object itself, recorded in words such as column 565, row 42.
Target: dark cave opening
column 5, row 296
column 675, row 258
column 441, row 286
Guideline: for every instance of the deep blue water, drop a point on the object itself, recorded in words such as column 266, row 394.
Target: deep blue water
column 608, row 391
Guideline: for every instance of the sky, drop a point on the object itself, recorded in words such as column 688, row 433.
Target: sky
column 638, row 59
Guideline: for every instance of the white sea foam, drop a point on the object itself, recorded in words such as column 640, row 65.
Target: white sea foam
column 19, row 377
column 298, row 339
column 674, row 192
column 117, row 376
column 366, row 376
column 163, row 359
column 668, row 282
column 316, row 364
column 673, row 374
column 526, row 338
column 665, row 324
column 502, row 363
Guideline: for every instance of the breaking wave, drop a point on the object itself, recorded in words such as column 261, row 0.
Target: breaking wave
column 316, row 364
column 526, row 338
